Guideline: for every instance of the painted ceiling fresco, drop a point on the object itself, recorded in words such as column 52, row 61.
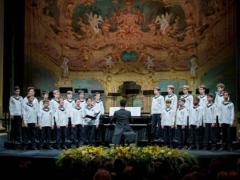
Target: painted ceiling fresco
column 126, row 35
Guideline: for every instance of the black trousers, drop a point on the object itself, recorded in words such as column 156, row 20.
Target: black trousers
column 156, row 128
column 226, row 135
column 69, row 130
column 77, row 135
column 46, row 136
column 193, row 130
column 167, row 134
column 89, row 134
column 180, row 136
column 209, row 134
column 31, row 133
column 16, row 130
column 61, row 135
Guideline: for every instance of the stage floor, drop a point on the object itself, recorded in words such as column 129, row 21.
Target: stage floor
column 54, row 153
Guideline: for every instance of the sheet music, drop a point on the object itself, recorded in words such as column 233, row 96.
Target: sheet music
column 135, row 111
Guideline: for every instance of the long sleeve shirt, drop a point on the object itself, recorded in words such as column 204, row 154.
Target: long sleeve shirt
column 45, row 118
column 168, row 117
column 174, row 100
column 196, row 116
column 30, row 113
column 226, row 113
column 77, row 116
column 61, row 117
column 157, row 104
column 182, row 116
column 16, row 106
column 210, row 115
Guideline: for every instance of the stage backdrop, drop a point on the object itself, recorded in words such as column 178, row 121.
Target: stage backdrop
column 150, row 42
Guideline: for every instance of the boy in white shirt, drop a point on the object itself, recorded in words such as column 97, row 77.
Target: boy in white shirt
column 188, row 97
column 202, row 96
column 171, row 96
column 168, row 119
column 209, row 124
column 226, row 119
column 16, row 112
column 77, row 124
column 30, row 113
column 82, row 99
column 69, row 104
column 91, row 122
column 181, row 122
column 195, row 120
column 54, row 103
column 31, row 92
column 156, row 111
column 61, row 119
column 46, row 123
column 98, row 105
column 45, row 96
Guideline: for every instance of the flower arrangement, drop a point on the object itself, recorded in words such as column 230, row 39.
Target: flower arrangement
column 147, row 155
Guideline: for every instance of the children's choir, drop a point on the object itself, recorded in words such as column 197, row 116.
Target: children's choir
column 73, row 121
column 196, row 122
column 192, row 122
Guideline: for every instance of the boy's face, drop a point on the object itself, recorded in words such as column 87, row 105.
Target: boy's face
column 45, row 96
column 220, row 89
column 69, row 96
column 61, row 102
column 89, row 102
column 31, row 92
column 56, row 94
column 17, row 92
column 185, row 91
column 30, row 99
column 209, row 99
column 195, row 102
column 156, row 92
column 78, row 102
column 201, row 90
column 46, row 105
column 97, row 96
column 81, row 95
column 169, row 90
column 180, row 103
column 168, row 105
column 226, row 96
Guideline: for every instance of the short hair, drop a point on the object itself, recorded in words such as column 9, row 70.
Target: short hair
column 55, row 91
column 171, row 87
column 80, row 91
column 69, row 92
column 168, row 101
column 30, row 88
column 196, row 99
column 45, row 92
column 210, row 95
column 202, row 86
column 45, row 101
column 28, row 97
column 61, row 98
column 182, row 99
column 97, row 93
column 226, row 92
column 89, row 97
column 157, row 88
column 221, row 85
column 16, row 88
column 186, row 87
column 123, row 102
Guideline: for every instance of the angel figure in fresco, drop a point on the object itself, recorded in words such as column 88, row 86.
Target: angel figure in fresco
column 149, row 62
column 163, row 22
column 94, row 20
column 193, row 65
column 109, row 61
column 65, row 68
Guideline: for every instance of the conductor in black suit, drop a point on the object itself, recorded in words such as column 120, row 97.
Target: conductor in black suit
column 122, row 127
